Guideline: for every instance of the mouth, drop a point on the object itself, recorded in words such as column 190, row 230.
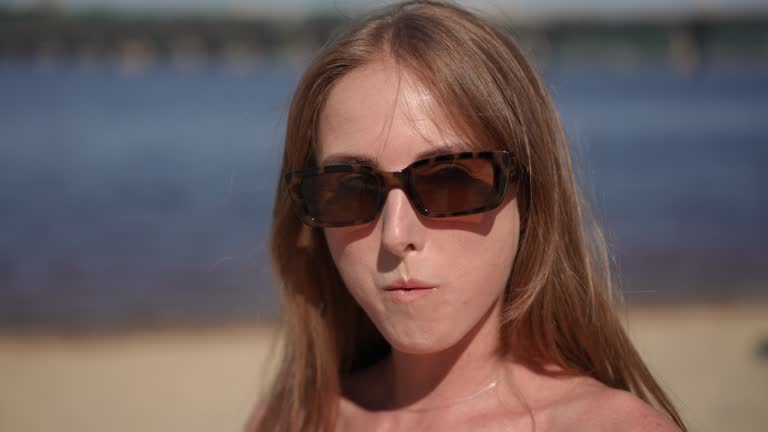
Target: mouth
column 408, row 291
column 409, row 285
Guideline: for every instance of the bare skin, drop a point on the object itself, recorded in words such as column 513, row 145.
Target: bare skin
column 533, row 402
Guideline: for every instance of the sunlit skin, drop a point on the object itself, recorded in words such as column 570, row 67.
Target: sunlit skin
column 445, row 343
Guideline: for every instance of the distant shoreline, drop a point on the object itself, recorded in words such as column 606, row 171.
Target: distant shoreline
column 191, row 326
column 684, row 42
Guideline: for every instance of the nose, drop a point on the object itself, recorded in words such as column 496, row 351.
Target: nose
column 402, row 230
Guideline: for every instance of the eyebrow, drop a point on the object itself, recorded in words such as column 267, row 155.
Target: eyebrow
column 361, row 159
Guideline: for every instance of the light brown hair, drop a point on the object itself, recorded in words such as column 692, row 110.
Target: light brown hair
column 557, row 307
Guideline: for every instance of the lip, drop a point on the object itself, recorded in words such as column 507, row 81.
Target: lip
column 410, row 284
column 408, row 291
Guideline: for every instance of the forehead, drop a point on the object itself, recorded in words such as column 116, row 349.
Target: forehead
column 379, row 114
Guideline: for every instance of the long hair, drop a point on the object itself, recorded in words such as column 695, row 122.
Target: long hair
column 557, row 307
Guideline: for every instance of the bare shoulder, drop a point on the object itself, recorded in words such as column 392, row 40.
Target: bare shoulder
column 596, row 407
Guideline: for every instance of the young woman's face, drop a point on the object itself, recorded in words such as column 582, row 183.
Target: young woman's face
column 460, row 264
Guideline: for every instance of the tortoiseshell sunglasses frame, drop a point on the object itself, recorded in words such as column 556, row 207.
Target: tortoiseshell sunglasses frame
column 502, row 168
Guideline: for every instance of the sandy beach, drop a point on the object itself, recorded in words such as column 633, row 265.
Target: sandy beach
column 712, row 359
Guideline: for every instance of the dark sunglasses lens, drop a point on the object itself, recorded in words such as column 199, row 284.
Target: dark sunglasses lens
column 455, row 186
column 341, row 197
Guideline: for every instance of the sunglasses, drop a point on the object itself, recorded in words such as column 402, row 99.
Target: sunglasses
column 442, row 186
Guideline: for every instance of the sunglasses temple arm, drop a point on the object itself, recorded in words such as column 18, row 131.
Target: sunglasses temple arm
column 513, row 174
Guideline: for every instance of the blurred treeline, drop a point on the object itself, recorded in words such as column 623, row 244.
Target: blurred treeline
column 683, row 42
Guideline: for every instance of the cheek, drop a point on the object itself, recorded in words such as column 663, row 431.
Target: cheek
column 353, row 250
column 478, row 266
column 483, row 256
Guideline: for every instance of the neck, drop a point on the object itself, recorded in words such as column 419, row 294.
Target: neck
column 421, row 381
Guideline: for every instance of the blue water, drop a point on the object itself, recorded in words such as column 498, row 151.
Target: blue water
column 144, row 198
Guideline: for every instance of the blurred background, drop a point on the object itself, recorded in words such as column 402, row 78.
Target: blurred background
column 139, row 149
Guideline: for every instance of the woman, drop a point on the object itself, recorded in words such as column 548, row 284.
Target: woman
column 440, row 274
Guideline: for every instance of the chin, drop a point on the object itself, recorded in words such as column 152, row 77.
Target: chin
column 418, row 342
